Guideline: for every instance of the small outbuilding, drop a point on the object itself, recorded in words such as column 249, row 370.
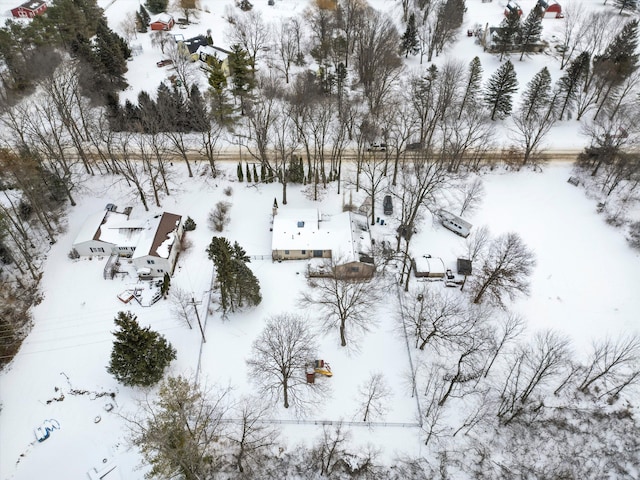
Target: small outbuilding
column 29, row 9
column 511, row 8
column 426, row 266
column 163, row 22
column 464, row 266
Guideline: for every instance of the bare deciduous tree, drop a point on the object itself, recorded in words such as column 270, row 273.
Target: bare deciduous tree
column 373, row 395
column 510, row 326
column 250, row 32
column 181, row 305
column 219, row 216
column 251, row 436
column 506, row 270
column 330, row 449
column 378, row 63
column 611, row 363
column 346, row 303
column 532, row 365
column 189, row 8
column 471, row 194
column 280, row 357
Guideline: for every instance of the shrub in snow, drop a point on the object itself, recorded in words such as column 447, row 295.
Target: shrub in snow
column 219, row 216
column 634, row 235
column 189, row 224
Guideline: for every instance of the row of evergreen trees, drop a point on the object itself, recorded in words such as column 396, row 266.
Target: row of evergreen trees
column 31, row 51
column 171, row 111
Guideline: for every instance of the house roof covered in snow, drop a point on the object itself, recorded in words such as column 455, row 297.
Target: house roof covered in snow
column 163, row 18
column 345, row 234
column 158, row 237
column 110, row 227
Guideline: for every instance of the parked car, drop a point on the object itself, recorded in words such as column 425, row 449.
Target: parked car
column 413, row 147
column 377, row 147
column 164, row 63
column 387, row 205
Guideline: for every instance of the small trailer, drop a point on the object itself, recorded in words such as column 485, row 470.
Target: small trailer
column 454, row 223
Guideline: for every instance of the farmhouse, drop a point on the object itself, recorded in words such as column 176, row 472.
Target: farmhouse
column 343, row 239
column 108, row 232
column 163, row 22
column 150, row 243
column 29, row 9
column 205, row 52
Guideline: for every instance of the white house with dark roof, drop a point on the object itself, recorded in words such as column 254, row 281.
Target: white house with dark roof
column 108, row 232
column 343, row 239
column 157, row 249
column 152, row 244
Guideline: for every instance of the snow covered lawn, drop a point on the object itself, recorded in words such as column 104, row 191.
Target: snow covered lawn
column 585, row 284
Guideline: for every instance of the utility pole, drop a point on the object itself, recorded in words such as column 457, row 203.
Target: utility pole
column 195, row 308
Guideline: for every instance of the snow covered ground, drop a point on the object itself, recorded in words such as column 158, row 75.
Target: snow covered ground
column 585, row 284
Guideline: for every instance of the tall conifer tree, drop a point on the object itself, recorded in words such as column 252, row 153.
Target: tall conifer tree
column 499, row 92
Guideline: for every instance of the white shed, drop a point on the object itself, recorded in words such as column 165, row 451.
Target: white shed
column 428, row 266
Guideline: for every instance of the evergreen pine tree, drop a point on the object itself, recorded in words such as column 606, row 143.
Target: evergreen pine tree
column 198, row 115
column 506, row 35
column 499, row 92
column 140, row 25
column 409, row 43
column 243, row 77
column 110, row 54
column 263, row 173
column 166, row 284
column 474, row 80
column 140, row 355
column 248, row 172
column 537, row 95
column 221, row 106
column 157, row 6
column 255, row 173
column 620, row 58
column 238, row 284
column 627, row 5
column 240, row 174
column 530, row 31
column 146, row 18
column 571, row 81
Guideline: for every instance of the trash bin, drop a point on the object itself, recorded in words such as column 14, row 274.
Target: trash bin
column 311, row 377
column 377, row 219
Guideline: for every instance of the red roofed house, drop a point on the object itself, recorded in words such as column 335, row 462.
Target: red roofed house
column 163, row 22
column 549, row 9
column 29, row 9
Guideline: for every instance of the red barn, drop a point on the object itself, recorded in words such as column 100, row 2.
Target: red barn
column 549, row 9
column 163, row 22
column 511, row 8
column 29, row 9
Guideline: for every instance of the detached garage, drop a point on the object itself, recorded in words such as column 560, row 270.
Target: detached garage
column 427, row 266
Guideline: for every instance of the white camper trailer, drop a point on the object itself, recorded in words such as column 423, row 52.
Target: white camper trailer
column 454, row 223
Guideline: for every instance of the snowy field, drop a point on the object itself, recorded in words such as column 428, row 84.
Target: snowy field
column 585, row 284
